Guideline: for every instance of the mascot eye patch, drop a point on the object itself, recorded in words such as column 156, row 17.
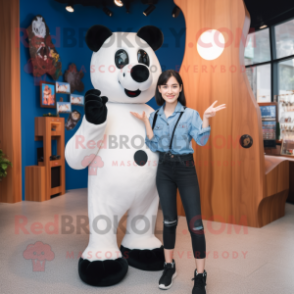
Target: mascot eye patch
column 121, row 58
column 143, row 57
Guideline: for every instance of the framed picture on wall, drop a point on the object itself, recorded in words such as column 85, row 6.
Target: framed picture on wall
column 47, row 95
column 77, row 99
column 62, row 87
column 63, row 107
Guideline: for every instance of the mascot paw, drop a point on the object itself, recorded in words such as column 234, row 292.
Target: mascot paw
column 146, row 259
column 95, row 108
column 102, row 273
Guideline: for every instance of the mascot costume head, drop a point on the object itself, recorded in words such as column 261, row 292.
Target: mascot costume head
column 121, row 168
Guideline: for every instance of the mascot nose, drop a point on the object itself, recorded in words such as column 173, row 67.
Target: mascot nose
column 140, row 73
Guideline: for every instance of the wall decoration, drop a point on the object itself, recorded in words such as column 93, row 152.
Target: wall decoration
column 63, row 107
column 44, row 56
column 72, row 120
column 62, row 87
column 77, row 99
column 246, row 141
column 73, row 77
column 47, row 95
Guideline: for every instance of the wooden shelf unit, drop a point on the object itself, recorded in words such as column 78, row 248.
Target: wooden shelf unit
column 46, row 130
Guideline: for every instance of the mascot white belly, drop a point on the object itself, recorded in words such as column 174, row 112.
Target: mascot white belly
column 121, row 168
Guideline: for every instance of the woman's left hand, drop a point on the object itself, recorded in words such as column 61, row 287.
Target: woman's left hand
column 211, row 111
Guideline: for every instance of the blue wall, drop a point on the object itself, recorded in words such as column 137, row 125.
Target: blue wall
column 75, row 50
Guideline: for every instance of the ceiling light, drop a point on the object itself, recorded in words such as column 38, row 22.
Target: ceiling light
column 118, row 3
column 69, row 8
column 263, row 26
column 107, row 11
column 176, row 11
column 150, row 8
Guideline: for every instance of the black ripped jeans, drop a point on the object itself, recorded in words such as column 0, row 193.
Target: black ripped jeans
column 179, row 172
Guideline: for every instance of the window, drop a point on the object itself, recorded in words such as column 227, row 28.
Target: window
column 258, row 47
column 269, row 61
column 260, row 80
column 284, row 35
column 286, row 76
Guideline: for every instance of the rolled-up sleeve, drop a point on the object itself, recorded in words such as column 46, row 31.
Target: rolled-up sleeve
column 153, row 143
column 199, row 134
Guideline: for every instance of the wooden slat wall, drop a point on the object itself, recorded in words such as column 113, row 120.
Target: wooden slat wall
column 226, row 191
column 10, row 115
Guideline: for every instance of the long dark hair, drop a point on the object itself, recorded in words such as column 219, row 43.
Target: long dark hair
column 162, row 80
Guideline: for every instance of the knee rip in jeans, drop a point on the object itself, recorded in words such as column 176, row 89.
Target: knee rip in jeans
column 198, row 231
column 198, row 225
column 170, row 223
column 198, row 228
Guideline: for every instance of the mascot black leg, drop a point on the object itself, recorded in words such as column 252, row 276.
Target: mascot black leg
column 144, row 259
column 102, row 273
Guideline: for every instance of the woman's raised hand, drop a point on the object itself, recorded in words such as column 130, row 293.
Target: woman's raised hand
column 211, row 111
column 142, row 116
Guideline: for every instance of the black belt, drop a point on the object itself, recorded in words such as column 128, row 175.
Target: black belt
column 168, row 156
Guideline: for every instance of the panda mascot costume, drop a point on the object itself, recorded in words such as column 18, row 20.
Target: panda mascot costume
column 121, row 168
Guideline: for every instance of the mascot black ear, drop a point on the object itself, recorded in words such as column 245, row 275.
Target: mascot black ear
column 152, row 35
column 96, row 36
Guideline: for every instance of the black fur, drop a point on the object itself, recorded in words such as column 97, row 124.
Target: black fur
column 95, row 108
column 145, row 259
column 102, row 273
column 141, row 157
column 152, row 35
column 96, row 36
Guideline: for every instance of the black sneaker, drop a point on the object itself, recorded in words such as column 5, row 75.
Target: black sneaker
column 199, row 282
column 169, row 273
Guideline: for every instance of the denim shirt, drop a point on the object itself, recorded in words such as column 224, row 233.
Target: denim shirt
column 189, row 126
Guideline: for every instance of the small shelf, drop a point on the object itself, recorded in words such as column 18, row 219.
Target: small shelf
column 56, row 190
column 56, row 162
column 53, row 171
column 56, row 133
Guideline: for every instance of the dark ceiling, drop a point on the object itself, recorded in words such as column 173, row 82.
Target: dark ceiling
column 267, row 12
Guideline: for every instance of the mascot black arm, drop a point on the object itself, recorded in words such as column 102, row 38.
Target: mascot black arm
column 95, row 108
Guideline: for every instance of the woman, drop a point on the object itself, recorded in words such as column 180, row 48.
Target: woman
column 171, row 136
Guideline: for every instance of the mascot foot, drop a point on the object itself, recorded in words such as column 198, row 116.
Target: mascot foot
column 146, row 259
column 102, row 273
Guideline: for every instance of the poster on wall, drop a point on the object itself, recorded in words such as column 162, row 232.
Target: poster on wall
column 62, row 88
column 73, row 77
column 63, row 107
column 47, row 95
column 44, row 57
column 77, row 99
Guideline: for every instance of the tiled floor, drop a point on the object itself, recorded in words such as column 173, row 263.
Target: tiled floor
column 255, row 262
